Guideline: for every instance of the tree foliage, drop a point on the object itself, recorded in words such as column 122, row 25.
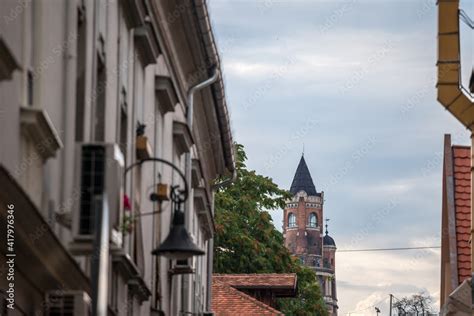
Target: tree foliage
column 247, row 242
column 417, row 304
column 309, row 300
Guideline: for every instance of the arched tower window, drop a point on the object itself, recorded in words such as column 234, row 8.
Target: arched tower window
column 291, row 220
column 326, row 263
column 312, row 220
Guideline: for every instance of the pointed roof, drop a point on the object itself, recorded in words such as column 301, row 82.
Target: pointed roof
column 303, row 180
column 227, row 301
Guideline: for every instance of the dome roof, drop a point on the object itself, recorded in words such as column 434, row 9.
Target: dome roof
column 328, row 241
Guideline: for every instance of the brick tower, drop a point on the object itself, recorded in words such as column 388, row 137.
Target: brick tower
column 303, row 233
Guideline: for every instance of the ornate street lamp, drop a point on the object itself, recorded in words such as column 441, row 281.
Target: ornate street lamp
column 178, row 244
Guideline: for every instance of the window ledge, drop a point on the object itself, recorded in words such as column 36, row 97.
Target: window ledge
column 125, row 265
column 131, row 274
column 182, row 137
column 8, row 64
column 37, row 126
column 165, row 93
column 147, row 44
column 135, row 12
column 196, row 173
column 139, row 288
column 203, row 211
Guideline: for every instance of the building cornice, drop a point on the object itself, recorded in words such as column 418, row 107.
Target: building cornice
column 8, row 64
column 188, row 23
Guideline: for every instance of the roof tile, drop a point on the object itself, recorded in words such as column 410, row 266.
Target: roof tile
column 462, row 198
column 227, row 301
column 267, row 280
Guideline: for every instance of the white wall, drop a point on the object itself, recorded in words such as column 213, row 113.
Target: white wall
column 42, row 37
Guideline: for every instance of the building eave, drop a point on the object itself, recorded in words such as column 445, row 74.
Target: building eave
column 450, row 92
column 192, row 65
column 449, row 216
column 218, row 90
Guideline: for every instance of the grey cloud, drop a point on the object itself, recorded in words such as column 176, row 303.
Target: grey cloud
column 394, row 100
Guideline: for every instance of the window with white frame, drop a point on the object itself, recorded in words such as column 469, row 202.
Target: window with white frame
column 312, row 220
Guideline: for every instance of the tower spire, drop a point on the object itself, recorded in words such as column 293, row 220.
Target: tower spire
column 302, row 180
column 327, row 220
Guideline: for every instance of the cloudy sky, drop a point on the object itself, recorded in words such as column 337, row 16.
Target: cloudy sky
column 354, row 81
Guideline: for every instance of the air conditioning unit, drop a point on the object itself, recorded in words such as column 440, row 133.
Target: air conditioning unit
column 67, row 303
column 98, row 176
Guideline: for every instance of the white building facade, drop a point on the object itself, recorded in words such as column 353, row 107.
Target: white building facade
column 78, row 79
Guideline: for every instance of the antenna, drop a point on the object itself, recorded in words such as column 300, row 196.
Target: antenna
column 302, row 154
column 377, row 310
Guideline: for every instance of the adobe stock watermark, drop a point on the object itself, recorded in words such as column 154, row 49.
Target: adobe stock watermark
column 265, row 5
column 10, row 256
column 372, row 61
column 57, row 52
column 336, row 16
column 16, row 11
column 426, row 7
column 64, row 208
column 419, row 96
column 356, row 156
column 435, row 162
column 422, row 254
column 294, row 139
column 373, row 222
column 262, row 90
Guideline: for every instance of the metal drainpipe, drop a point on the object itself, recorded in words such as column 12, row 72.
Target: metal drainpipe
column 194, row 89
column 189, row 121
column 69, row 96
column 225, row 183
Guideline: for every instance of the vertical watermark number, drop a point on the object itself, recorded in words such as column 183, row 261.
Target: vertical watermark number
column 10, row 256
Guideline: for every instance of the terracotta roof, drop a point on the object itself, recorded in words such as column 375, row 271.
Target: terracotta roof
column 227, row 301
column 462, row 200
column 260, row 280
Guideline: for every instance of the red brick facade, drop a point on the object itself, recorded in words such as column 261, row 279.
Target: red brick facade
column 303, row 239
column 304, row 236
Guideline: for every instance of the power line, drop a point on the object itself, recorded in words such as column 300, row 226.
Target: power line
column 388, row 249
column 396, row 298
column 463, row 16
column 371, row 306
